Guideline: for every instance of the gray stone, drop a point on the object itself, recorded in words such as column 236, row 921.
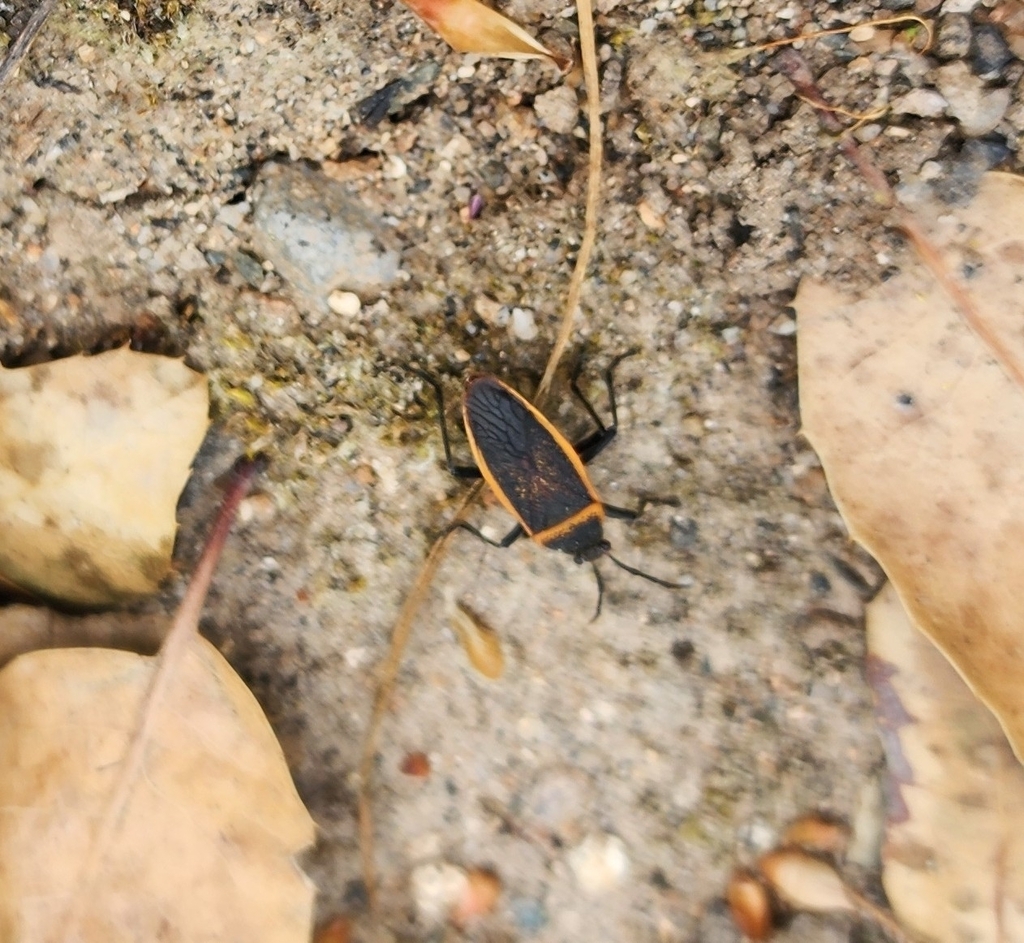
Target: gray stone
column 954, row 37
column 319, row 237
column 990, row 53
column 924, row 102
column 977, row 108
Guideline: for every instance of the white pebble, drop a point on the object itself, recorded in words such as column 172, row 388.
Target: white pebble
column 523, row 325
column 923, row 102
column 599, row 863
column 394, row 167
column 344, row 303
column 436, row 889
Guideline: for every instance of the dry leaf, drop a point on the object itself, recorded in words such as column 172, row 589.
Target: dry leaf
column 146, row 798
column 94, row 452
column 481, row 642
column 818, row 833
column 921, row 433
column 805, row 882
column 469, row 26
column 750, row 905
column 954, row 853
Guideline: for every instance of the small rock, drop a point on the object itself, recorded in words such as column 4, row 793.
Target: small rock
column 249, row 268
column 862, row 34
column 867, row 133
column 954, row 37
column 558, row 109
column 344, row 303
column 529, row 915
column 650, row 217
column 977, row 108
column 489, row 311
column 436, row 890
column 923, row 102
column 963, row 173
column 599, row 863
column 318, row 237
column 990, row 53
column 483, row 888
column 523, row 325
column 959, row 6
column 683, row 533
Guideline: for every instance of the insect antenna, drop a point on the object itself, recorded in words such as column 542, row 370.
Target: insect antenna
column 646, row 576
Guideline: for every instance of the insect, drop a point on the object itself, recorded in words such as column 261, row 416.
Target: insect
column 536, row 474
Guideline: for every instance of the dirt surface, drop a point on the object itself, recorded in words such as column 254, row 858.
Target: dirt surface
column 692, row 724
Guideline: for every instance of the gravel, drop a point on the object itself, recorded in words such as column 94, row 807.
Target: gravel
column 209, row 187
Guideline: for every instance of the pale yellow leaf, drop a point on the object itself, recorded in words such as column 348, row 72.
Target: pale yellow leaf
column 94, row 452
column 921, row 434
column 805, row 882
column 469, row 26
column 954, row 851
column 203, row 849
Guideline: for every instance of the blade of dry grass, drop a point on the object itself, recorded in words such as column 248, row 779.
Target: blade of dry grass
column 388, row 670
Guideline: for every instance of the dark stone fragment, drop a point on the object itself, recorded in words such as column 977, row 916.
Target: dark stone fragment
column 990, row 53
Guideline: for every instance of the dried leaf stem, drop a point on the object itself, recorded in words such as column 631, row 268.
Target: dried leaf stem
column 596, row 156
column 20, row 47
column 176, row 644
column 387, row 673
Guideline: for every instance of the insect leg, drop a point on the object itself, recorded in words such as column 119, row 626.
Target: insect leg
column 627, row 514
column 510, row 538
column 624, row 514
column 459, row 471
column 588, row 448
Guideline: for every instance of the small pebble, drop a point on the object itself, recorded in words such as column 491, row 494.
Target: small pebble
column 558, row 109
column 529, row 915
column 959, row 6
column 650, row 217
column 867, row 133
column 923, row 102
column 395, row 168
column 954, row 37
column 523, row 325
column 416, row 764
column 783, row 326
column 977, row 108
column 683, row 533
column 990, row 53
column 346, row 304
column 862, row 34
column 599, row 863
column 436, row 890
column 488, row 310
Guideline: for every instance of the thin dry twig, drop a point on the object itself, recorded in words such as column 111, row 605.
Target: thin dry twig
column 387, row 676
column 589, row 53
column 387, row 673
column 817, row 34
column 175, row 646
column 20, row 47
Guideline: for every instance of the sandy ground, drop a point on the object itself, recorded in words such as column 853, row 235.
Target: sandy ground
column 692, row 724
